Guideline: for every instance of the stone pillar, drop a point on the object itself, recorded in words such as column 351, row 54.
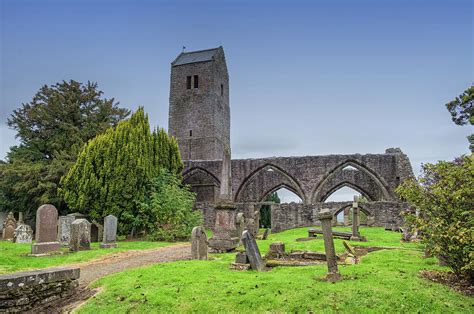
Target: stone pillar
column 110, row 232
column 355, row 221
column 224, row 238
column 346, row 216
column 46, row 230
column 325, row 216
column 199, row 243
column 80, row 235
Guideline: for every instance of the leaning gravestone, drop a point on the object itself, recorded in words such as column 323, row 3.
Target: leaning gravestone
column 46, row 230
column 9, row 227
column 110, row 232
column 252, row 251
column 80, row 235
column 198, row 243
column 23, row 234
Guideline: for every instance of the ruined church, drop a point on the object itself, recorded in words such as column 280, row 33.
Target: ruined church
column 199, row 118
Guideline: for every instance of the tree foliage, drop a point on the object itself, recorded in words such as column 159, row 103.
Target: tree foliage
column 170, row 208
column 265, row 210
column 113, row 171
column 52, row 128
column 444, row 199
column 462, row 111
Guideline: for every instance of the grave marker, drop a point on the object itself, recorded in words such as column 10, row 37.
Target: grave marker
column 199, row 243
column 110, row 232
column 46, row 230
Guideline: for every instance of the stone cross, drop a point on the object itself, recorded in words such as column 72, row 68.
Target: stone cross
column 252, row 251
column 23, row 234
column 9, row 227
column 110, row 232
column 199, row 243
column 355, row 220
column 80, row 235
column 46, row 230
column 325, row 216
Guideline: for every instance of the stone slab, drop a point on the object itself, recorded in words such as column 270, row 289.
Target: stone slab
column 45, row 247
column 49, row 275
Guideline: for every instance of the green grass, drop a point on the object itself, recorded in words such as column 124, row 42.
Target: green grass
column 13, row 256
column 385, row 281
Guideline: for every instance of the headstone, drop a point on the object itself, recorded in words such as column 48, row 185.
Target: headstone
column 64, row 229
column 325, row 216
column 97, row 231
column 277, row 249
column 3, row 216
column 9, row 227
column 240, row 223
column 23, row 234
column 252, row 251
column 266, row 233
column 80, row 235
column 199, row 243
column 110, row 232
column 241, row 258
column 46, row 230
column 355, row 221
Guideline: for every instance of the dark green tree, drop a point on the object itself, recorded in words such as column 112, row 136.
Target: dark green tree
column 265, row 210
column 114, row 171
column 462, row 111
column 52, row 128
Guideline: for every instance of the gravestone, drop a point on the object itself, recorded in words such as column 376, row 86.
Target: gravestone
column 80, row 235
column 224, row 238
column 266, row 233
column 23, row 234
column 110, row 232
column 325, row 216
column 241, row 258
column 277, row 250
column 199, row 243
column 9, row 227
column 3, row 216
column 64, row 229
column 97, row 231
column 240, row 223
column 46, row 230
column 355, row 221
column 252, row 251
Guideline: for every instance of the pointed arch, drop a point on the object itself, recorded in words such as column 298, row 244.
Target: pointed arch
column 203, row 183
column 319, row 191
column 283, row 185
column 350, row 185
column 278, row 178
column 188, row 173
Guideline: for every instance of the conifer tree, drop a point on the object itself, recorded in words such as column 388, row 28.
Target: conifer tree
column 115, row 169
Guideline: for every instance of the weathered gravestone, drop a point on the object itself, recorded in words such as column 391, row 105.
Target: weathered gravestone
column 325, row 216
column 97, row 231
column 240, row 223
column 277, row 250
column 225, row 236
column 3, row 216
column 23, row 234
column 110, row 232
column 198, row 243
column 80, row 235
column 355, row 220
column 46, row 230
column 64, row 229
column 252, row 251
column 9, row 227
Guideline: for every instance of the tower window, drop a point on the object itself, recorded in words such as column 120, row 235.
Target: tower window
column 196, row 81
column 190, row 133
column 188, row 82
column 222, row 90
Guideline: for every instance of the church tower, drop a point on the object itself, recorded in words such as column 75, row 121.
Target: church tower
column 199, row 113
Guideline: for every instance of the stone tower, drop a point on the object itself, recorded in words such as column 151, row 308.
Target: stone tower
column 199, row 113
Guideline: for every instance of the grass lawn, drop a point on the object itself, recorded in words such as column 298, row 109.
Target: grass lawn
column 385, row 281
column 13, row 255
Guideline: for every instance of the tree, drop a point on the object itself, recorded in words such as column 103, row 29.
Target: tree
column 52, row 128
column 114, row 171
column 462, row 111
column 170, row 208
column 444, row 199
column 265, row 210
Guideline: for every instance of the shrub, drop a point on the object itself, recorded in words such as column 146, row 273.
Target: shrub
column 444, row 199
column 171, row 207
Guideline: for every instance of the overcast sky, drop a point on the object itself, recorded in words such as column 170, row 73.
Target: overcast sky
column 306, row 77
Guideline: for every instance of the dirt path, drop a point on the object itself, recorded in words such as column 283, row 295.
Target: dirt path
column 109, row 264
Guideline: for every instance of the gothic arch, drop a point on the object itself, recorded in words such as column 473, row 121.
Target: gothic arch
column 361, row 208
column 283, row 185
column 203, row 183
column 264, row 180
column 372, row 181
column 365, row 193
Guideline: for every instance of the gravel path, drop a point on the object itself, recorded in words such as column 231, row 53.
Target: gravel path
column 91, row 271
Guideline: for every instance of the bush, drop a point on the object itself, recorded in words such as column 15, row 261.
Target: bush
column 444, row 199
column 171, row 207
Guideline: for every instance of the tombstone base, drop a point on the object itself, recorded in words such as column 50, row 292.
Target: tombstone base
column 223, row 245
column 333, row 277
column 108, row 245
column 45, row 247
column 241, row 258
column 361, row 239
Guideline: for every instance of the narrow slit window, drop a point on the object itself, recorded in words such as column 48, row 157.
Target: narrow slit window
column 196, row 81
column 188, row 82
column 222, row 90
column 190, row 133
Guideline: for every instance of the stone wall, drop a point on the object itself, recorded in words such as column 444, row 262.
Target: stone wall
column 27, row 291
